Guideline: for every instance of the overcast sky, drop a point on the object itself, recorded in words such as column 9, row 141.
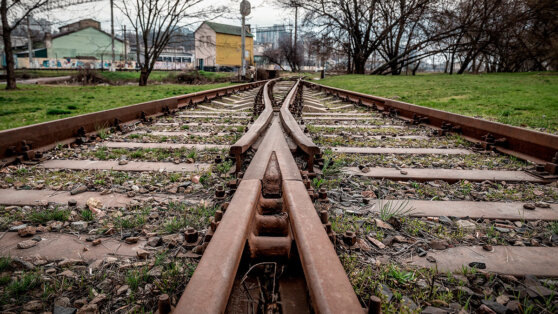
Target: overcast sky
column 264, row 13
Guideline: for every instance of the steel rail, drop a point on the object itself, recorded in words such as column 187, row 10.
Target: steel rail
column 209, row 289
column 293, row 129
column 26, row 140
column 523, row 143
column 255, row 131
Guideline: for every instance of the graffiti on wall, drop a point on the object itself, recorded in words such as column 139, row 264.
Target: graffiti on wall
column 71, row 63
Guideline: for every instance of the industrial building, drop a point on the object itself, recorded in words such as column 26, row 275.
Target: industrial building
column 219, row 45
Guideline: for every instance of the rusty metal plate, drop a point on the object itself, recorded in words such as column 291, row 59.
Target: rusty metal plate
column 490, row 210
column 58, row 246
column 356, row 126
column 401, row 150
column 341, row 119
column 339, row 114
column 130, row 166
column 449, row 175
column 43, row 197
column 510, row 260
column 161, row 145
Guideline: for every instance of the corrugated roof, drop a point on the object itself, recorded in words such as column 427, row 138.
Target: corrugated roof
column 227, row 29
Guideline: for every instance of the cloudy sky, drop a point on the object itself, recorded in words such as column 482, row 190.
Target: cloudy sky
column 264, row 13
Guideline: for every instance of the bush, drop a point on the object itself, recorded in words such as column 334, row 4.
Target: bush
column 88, row 77
column 262, row 74
column 197, row 77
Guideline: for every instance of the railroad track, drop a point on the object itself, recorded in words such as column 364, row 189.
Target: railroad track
column 296, row 196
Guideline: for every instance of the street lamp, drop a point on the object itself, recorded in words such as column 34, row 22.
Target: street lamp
column 244, row 11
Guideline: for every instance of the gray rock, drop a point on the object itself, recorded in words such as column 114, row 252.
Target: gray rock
column 63, row 310
column 62, row 301
column 33, row 306
column 439, row 244
column 529, row 206
column 72, row 202
column 17, row 228
column 386, row 292
column 26, row 244
column 445, row 220
column 421, row 283
column 478, row 265
column 433, row 310
column 19, row 263
column 79, row 225
column 154, row 241
column 407, row 302
column 495, row 306
column 78, row 190
column 466, row 225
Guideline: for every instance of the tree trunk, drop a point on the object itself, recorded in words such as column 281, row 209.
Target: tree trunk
column 359, row 64
column 144, row 75
column 452, row 59
column 348, row 63
column 394, row 68
column 416, row 68
column 10, row 62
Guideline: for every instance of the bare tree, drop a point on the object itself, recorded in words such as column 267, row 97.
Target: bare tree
column 12, row 13
column 274, row 56
column 296, row 5
column 157, row 22
column 408, row 40
column 285, row 52
column 362, row 23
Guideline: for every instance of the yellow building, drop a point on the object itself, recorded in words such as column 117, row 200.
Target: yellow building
column 219, row 45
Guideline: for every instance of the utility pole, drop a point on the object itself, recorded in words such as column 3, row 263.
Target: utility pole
column 112, row 32
column 244, row 11
column 137, row 46
column 125, row 46
column 295, row 36
column 29, row 43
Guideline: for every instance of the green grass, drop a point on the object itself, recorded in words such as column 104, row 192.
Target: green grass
column 19, row 289
column 31, row 104
column 521, row 99
column 118, row 76
column 45, row 216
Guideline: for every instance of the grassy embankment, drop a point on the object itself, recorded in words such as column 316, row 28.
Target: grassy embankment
column 521, row 99
column 31, row 104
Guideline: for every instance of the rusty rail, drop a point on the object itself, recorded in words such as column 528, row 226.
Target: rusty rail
column 293, row 129
column 270, row 209
column 538, row 147
column 27, row 140
column 255, row 131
